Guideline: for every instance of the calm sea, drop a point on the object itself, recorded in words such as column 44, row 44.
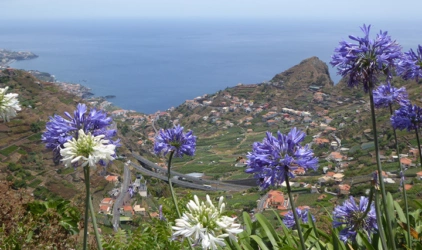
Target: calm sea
column 151, row 65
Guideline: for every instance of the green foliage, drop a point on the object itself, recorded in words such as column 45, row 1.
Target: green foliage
column 41, row 225
column 7, row 151
column 42, row 193
column 37, row 126
column 19, row 184
column 14, row 167
column 35, row 137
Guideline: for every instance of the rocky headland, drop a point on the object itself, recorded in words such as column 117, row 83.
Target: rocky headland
column 7, row 57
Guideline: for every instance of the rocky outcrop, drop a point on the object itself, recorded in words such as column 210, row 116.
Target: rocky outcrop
column 311, row 72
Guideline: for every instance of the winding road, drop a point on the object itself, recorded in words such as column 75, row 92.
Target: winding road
column 119, row 200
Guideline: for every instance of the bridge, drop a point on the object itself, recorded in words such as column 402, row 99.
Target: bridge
column 196, row 183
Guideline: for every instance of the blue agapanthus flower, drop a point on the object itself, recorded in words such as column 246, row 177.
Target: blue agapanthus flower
column 175, row 140
column 410, row 64
column 349, row 215
column 59, row 130
column 274, row 157
column 363, row 61
column 402, row 179
column 131, row 190
column 385, row 95
column 289, row 219
column 407, row 117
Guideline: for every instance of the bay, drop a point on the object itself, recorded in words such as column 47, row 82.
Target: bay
column 151, row 64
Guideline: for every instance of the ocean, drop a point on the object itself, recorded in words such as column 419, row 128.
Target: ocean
column 152, row 65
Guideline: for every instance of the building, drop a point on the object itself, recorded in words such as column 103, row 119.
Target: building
column 112, row 178
column 276, row 200
column 321, row 141
column 107, row 202
column 405, row 162
column 338, row 177
column 139, row 210
column 143, row 189
column 105, row 209
column 127, row 211
column 343, row 189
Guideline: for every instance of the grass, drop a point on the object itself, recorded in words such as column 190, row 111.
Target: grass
column 35, row 183
column 307, row 199
column 241, row 200
column 7, row 151
column 22, row 151
column 35, row 137
column 65, row 171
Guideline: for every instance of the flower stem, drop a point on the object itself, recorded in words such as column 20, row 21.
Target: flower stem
column 299, row 230
column 379, row 222
column 419, row 145
column 94, row 223
column 87, row 198
column 173, row 196
column 406, row 206
column 379, row 168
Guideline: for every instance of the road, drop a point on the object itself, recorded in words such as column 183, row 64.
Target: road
column 119, row 200
column 216, row 185
column 145, row 171
column 261, row 203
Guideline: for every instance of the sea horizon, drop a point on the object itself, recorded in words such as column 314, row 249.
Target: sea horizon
column 152, row 65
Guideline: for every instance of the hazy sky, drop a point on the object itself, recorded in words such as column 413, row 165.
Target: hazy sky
column 297, row 9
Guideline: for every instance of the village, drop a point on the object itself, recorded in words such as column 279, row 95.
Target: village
column 337, row 158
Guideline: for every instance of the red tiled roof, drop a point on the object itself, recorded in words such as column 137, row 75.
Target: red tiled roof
column 106, row 200
column 344, row 187
column 330, row 174
column 405, row 161
column 112, row 178
column 104, row 208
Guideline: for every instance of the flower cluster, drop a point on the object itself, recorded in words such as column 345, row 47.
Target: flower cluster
column 351, row 215
column 131, row 190
column 363, row 61
column 302, row 214
column 205, row 224
column 385, row 95
column 9, row 104
column 275, row 157
column 87, row 148
column 175, row 140
column 410, row 64
column 407, row 117
column 60, row 130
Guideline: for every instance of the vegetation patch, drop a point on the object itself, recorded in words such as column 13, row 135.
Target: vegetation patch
column 35, row 137
column 7, row 151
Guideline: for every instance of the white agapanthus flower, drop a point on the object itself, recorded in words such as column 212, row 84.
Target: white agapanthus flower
column 205, row 224
column 9, row 104
column 87, row 148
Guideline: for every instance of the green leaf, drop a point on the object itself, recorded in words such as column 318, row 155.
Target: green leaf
column 269, row 230
column 260, row 243
column 289, row 237
column 362, row 238
column 233, row 244
column 390, row 208
column 29, row 237
column 307, row 233
column 337, row 243
column 248, row 222
column 418, row 203
column 399, row 211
